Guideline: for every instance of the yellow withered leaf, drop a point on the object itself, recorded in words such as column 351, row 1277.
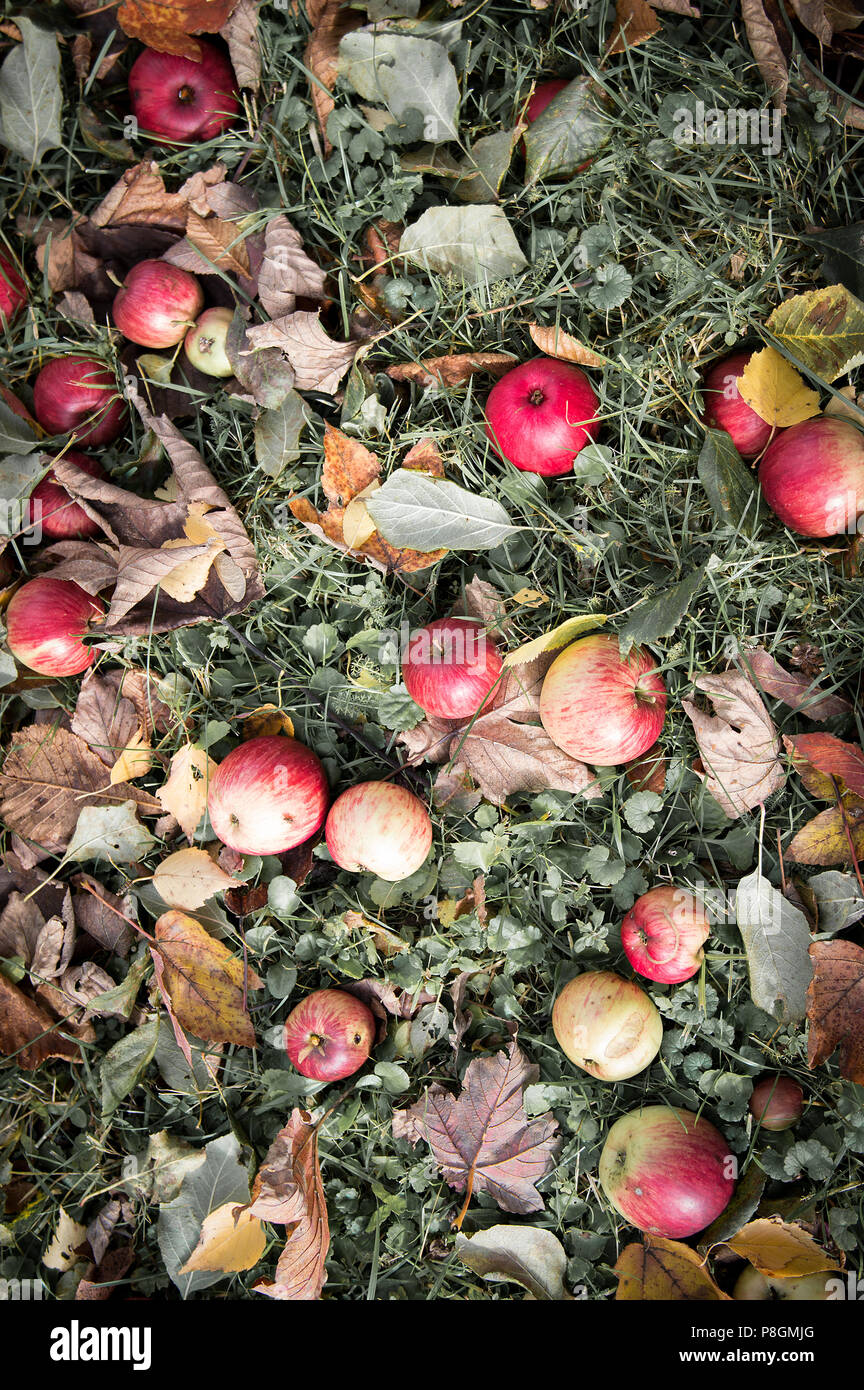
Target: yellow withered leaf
column 206, row 984
column 231, row 1239
column 135, row 759
column 189, row 877
column 559, row 636
column 776, row 391
column 664, row 1270
column 779, row 1249
column 184, row 795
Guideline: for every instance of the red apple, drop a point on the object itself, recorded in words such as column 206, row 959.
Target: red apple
column 663, row 934
column 600, row 708
column 79, row 393
column 329, row 1035
column 381, row 828
column 607, row 1025
column 13, row 292
column 754, row 1287
column 180, row 100
column 51, row 506
column 205, row 343
column 777, row 1102
column 725, row 410
column 666, row 1171
column 541, row 414
column 268, row 795
column 812, row 476
column 157, row 303
column 45, row 623
column 450, row 666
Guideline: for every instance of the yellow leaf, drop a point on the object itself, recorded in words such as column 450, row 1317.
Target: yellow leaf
column 779, row 1250
column 776, row 391
column 189, row 877
column 265, row 720
column 198, row 530
column 664, row 1270
column 189, row 576
column 231, row 1238
column 135, row 760
column 68, row 1235
column 558, row 637
column 206, row 984
column 530, row 598
column 184, row 795
column 357, row 524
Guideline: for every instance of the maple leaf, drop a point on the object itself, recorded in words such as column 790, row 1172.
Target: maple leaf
column 288, row 1191
column 739, row 745
column 482, row 1139
column 836, row 1007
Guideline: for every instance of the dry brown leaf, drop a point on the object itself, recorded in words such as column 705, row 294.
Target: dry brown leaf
column 482, row 1139
column 27, row 1032
column 286, row 272
column 635, row 23
column 780, row 1250
column 739, row 746
column 240, row 32
column 167, row 25
column 648, row 772
column 140, row 198
column 319, row 361
column 554, row 342
column 219, row 243
column 288, row 1191
column 767, row 44
column 452, row 370
column 48, row 777
column 797, row 692
column 102, row 914
column 63, row 258
column 835, row 1007
column 206, row 984
column 349, row 467
column 664, row 1270
column 331, row 21
column 105, row 719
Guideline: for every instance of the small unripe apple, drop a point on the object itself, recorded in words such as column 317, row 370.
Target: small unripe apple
column 181, row 100
column 13, row 292
column 77, row 393
column 754, row 1287
column 541, row 414
column 663, row 934
column 450, row 667
column 777, row 1102
column 725, row 409
column 599, row 707
column 268, row 795
column 330, row 1035
column 53, row 509
column 46, row 621
column 156, row 304
column 666, row 1171
column 205, row 343
column 381, row 828
column 607, row 1025
column 812, row 476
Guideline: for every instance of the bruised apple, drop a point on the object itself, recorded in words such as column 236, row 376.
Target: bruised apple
column 725, row 408
column 450, row 667
column 663, row 934
column 607, row 1025
column 541, row 414
column 380, row 828
column 46, row 621
column 666, row 1171
column 205, row 343
column 601, row 707
column 330, row 1035
column 777, row 1102
column 268, row 795
column 53, row 509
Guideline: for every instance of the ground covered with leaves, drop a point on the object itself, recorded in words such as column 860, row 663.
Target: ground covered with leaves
column 265, row 543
